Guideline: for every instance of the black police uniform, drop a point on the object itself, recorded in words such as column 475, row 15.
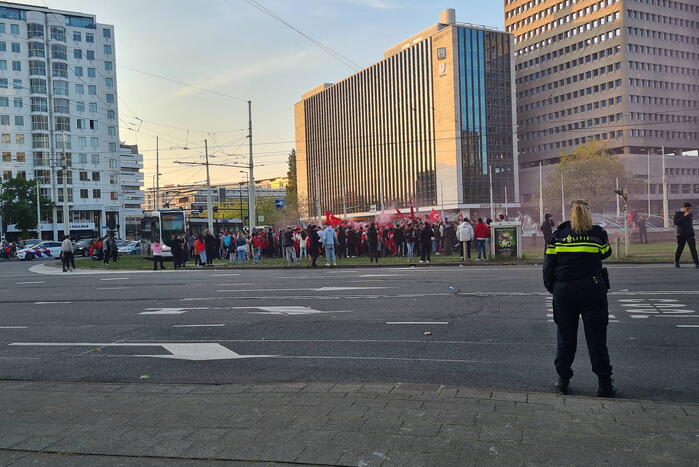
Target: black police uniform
column 573, row 273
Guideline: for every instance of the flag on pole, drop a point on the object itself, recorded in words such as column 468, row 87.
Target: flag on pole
column 434, row 216
column 412, row 211
column 332, row 220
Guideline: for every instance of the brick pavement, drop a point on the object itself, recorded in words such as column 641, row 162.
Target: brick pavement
column 46, row 423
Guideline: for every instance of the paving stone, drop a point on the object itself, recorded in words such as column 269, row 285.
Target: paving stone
column 509, row 396
column 507, row 434
column 346, row 388
column 320, row 454
column 420, row 429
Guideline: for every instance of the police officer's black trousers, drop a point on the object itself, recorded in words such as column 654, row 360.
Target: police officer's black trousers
column 570, row 301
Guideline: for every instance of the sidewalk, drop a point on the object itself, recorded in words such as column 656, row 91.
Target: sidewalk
column 49, row 423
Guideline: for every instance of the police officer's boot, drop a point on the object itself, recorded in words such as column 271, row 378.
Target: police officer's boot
column 606, row 387
column 562, row 385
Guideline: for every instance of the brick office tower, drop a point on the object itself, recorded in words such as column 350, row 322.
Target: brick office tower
column 621, row 71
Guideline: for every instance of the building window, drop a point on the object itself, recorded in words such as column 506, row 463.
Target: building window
column 35, row 31
column 109, row 82
column 60, row 88
column 16, row 47
column 40, row 122
column 110, row 115
column 112, row 164
column 19, row 120
column 80, row 107
column 95, row 175
column 91, row 73
column 83, row 193
column 110, row 98
column 95, row 161
column 77, row 36
column 97, row 194
column 14, row 29
column 19, row 139
column 16, row 65
column 4, row 101
column 93, row 125
column 90, row 55
column 59, row 70
column 58, row 34
column 82, row 141
column 79, row 89
column 3, row 83
column 78, row 54
column 3, row 65
column 36, row 68
column 21, row 157
column 80, row 123
column 61, row 106
column 107, row 33
column 108, row 66
column 59, row 51
column 4, row 120
column 6, row 156
column 37, row 86
column 94, row 142
column 89, row 37
column 39, row 104
column 78, row 70
column 92, row 89
column 111, row 131
column 18, row 102
column 93, row 107
column 107, row 49
column 62, row 123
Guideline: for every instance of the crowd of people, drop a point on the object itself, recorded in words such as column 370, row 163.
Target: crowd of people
column 413, row 241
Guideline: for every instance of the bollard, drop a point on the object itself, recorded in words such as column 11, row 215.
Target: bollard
column 617, row 247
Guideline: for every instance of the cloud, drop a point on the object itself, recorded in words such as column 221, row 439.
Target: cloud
column 216, row 81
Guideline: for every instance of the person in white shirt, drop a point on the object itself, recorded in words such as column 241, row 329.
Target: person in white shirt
column 464, row 234
column 67, row 254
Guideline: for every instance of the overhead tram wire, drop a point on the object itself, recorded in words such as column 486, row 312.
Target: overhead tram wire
column 344, row 60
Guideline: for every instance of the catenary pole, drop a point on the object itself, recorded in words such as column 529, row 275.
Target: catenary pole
column 666, row 209
column 563, row 200
column 209, row 206
column 156, row 205
column 492, row 207
column 38, row 211
column 252, row 217
column 541, row 195
column 648, row 183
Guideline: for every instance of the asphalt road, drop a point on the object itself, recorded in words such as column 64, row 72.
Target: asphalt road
column 490, row 327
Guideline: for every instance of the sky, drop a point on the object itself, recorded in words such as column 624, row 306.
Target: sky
column 229, row 47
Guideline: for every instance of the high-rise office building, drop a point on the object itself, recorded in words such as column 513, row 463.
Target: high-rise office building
column 430, row 124
column 59, row 115
column 621, row 71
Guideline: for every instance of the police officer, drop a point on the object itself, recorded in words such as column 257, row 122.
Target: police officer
column 573, row 273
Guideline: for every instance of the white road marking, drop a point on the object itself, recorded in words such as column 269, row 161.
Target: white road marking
column 285, row 310
column 320, row 289
column 233, row 285
column 170, row 311
column 382, row 275
column 640, row 316
column 112, row 288
column 49, row 303
column 675, row 316
column 13, row 327
column 419, row 322
column 198, row 325
column 178, row 351
column 34, row 282
column 115, row 279
column 687, row 325
column 223, row 275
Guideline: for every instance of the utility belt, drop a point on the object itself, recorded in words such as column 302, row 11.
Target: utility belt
column 602, row 278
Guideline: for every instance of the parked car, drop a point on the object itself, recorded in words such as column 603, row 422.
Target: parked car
column 42, row 250
column 28, row 243
column 129, row 248
column 82, row 247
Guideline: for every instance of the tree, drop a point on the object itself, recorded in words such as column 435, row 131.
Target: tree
column 292, row 192
column 590, row 173
column 18, row 199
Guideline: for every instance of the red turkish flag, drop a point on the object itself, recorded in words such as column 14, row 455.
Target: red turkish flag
column 412, row 211
column 332, row 220
column 434, row 216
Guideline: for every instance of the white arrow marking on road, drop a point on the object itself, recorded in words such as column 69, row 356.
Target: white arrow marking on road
column 193, row 352
column 200, row 352
column 170, row 311
column 284, row 310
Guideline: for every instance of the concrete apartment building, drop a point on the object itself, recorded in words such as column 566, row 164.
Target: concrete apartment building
column 132, row 194
column 59, row 117
column 430, row 124
column 621, row 71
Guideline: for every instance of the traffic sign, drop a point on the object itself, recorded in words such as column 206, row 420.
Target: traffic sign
column 279, row 203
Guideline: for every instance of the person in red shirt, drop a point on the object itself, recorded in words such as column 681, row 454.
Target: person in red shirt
column 258, row 243
column 482, row 234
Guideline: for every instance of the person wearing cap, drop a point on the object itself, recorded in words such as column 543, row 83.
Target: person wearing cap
column 684, row 228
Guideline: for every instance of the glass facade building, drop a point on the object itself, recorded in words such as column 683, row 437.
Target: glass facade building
column 431, row 124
